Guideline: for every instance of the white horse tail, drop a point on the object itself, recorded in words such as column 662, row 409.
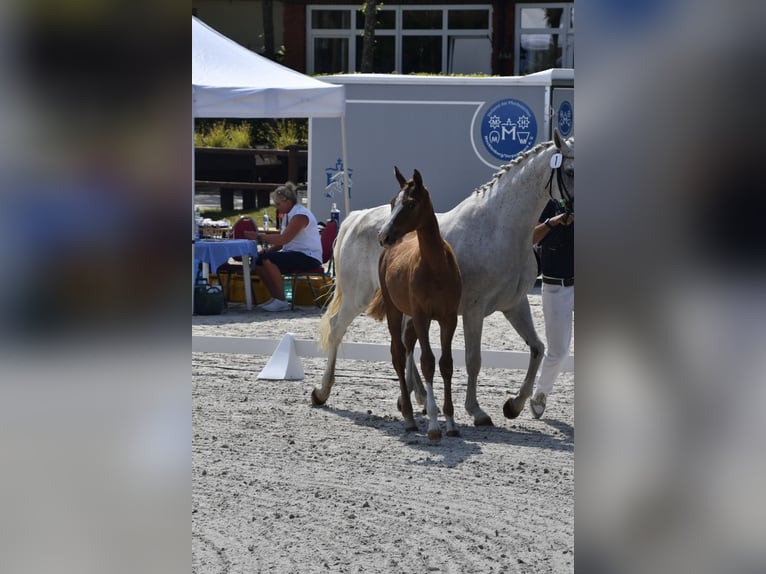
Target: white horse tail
column 325, row 323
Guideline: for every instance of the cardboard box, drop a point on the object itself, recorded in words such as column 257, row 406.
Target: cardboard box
column 237, row 293
column 304, row 296
column 322, row 288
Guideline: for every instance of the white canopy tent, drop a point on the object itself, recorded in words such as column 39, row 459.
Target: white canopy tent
column 230, row 81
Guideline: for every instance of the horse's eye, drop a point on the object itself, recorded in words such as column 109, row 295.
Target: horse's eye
column 569, row 171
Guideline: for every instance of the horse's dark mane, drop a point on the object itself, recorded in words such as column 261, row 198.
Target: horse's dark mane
column 510, row 165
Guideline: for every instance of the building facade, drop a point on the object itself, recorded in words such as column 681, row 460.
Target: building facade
column 496, row 37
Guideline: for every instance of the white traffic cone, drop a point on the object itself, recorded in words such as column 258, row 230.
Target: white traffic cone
column 284, row 364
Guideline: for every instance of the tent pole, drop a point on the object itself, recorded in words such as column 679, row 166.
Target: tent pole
column 194, row 223
column 346, row 192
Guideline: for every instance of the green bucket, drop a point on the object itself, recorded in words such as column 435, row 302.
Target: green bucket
column 208, row 300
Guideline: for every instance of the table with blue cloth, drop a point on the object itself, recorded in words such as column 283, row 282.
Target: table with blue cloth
column 213, row 254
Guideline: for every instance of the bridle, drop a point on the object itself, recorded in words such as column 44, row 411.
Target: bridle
column 567, row 201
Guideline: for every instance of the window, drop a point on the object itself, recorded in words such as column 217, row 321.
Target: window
column 384, row 55
column 331, row 54
column 544, row 37
column 331, row 19
column 408, row 39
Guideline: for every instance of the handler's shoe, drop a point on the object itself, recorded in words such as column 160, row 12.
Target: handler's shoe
column 537, row 405
column 276, row 305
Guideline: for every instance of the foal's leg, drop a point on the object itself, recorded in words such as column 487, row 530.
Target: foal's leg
column 446, row 332
column 428, row 366
column 398, row 358
column 521, row 319
column 414, row 382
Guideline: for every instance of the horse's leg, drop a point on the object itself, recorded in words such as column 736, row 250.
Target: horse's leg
column 473, row 322
column 414, row 382
column 398, row 357
column 338, row 325
column 447, row 331
column 428, row 366
column 521, row 319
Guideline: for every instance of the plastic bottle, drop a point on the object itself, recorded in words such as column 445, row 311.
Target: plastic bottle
column 198, row 222
column 265, row 221
column 335, row 214
column 201, row 280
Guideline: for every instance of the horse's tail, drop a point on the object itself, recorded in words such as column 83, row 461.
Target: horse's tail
column 333, row 307
column 377, row 307
column 325, row 323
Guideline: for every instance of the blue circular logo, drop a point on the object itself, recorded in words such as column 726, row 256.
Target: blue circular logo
column 565, row 118
column 508, row 128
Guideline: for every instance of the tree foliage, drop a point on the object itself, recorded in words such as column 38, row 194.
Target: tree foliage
column 370, row 10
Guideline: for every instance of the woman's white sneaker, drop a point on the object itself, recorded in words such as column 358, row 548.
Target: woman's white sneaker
column 276, row 305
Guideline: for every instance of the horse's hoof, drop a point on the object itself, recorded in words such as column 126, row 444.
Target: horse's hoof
column 315, row 400
column 410, row 426
column 485, row 421
column 434, row 435
column 453, row 433
column 513, row 407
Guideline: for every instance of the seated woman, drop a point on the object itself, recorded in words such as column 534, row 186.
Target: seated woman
column 296, row 246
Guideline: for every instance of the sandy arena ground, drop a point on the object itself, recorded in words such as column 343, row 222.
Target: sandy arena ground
column 279, row 486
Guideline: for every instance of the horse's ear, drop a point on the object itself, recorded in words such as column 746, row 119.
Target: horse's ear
column 557, row 138
column 417, row 178
column 399, row 176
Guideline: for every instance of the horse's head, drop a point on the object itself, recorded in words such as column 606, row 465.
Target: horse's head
column 565, row 170
column 408, row 208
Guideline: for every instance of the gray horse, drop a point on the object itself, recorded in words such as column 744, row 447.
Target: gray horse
column 491, row 233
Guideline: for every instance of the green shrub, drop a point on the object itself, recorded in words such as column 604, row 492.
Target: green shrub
column 282, row 133
column 221, row 134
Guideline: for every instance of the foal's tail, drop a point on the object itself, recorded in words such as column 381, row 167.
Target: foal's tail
column 377, row 307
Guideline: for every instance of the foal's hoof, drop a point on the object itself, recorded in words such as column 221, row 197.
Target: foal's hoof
column 315, row 400
column 434, row 435
column 453, row 433
column 513, row 407
column 410, row 426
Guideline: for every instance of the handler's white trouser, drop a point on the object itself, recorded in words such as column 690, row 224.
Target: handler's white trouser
column 558, row 312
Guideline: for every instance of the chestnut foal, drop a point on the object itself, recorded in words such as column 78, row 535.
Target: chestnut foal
column 420, row 278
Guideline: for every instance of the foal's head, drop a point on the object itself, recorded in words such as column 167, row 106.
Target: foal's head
column 409, row 208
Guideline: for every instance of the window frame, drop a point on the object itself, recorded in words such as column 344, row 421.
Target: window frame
column 445, row 33
column 565, row 31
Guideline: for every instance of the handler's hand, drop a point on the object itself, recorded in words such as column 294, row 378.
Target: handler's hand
column 562, row 219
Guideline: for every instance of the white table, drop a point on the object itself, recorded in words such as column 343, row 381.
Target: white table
column 213, row 254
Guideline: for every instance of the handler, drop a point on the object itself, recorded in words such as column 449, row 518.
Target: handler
column 555, row 234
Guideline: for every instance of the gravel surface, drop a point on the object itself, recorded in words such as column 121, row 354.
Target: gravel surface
column 279, row 486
